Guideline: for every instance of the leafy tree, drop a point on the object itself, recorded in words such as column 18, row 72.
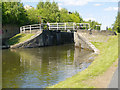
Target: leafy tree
column 47, row 4
column 110, row 29
column 78, row 15
column 13, row 13
column 50, row 13
column 32, row 15
column 40, row 5
column 74, row 18
column 54, row 7
column 64, row 16
column 93, row 24
column 116, row 24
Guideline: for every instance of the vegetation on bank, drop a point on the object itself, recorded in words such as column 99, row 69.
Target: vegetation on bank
column 108, row 55
column 116, row 25
column 19, row 38
column 15, row 13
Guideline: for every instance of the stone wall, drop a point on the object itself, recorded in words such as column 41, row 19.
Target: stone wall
column 47, row 38
column 9, row 31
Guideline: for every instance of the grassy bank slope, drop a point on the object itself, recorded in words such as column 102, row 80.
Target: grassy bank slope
column 19, row 38
column 108, row 55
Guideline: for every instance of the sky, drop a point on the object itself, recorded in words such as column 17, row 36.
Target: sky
column 102, row 11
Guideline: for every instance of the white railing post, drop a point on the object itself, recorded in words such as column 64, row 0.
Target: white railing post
column 20, row 29
column 89, row 26
column 57, row 26
column 65, row 26
column 73, row 26
column 49, row 26
column 40, row 27
column 30, row 28
column 24, row 29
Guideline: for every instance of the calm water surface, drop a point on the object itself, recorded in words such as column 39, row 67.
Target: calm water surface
column 42, row 67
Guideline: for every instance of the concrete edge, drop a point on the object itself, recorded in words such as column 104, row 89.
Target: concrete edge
column 89, row 44
column 32, row 37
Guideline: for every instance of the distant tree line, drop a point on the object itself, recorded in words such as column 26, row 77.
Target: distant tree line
column 15, row 13
column 50, row 12
column 93, row 24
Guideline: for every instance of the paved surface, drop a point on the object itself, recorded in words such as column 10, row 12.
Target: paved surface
column 114, row 81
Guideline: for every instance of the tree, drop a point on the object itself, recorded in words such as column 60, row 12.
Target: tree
column 54, row 7
column 50, row 13
column 116, row 24
column 78, row 15
column 64, row 16
column 47, row 4
column 93, row 24
column 110, row 29
column 40, row 5
column 32, row 15
column 13, row 13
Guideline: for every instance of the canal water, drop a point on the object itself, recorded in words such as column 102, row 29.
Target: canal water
column 42, row 67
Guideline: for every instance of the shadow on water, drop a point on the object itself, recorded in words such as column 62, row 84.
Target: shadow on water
column 42, row 67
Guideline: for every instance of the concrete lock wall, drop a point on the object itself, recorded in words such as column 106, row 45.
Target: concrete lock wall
column 81, row 38
column 47, row 38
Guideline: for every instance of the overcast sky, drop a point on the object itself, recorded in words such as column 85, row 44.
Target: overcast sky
column 103, row 11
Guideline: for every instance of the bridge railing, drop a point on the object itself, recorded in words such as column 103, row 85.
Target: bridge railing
column 83, row 25
column 29, row 28
column 32, row 28
column 70, row 26
column 53, row 26
column 61, row 26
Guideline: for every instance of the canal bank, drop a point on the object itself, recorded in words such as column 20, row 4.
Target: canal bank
column 108, row 55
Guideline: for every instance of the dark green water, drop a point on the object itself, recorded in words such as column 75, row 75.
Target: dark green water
column 42, row 67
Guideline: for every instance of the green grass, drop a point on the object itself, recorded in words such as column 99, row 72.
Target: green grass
column 108, row 55
column 19, row 38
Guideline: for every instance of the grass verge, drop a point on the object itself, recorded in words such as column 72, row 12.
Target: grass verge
column 21, row 37
column 108, row 55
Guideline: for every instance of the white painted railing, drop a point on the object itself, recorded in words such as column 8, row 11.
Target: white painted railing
column 86, row 25
column 53, row 26
column 29, row 28
column 65, row 26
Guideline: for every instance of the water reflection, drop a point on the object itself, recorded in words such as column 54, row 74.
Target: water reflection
column 42, row 67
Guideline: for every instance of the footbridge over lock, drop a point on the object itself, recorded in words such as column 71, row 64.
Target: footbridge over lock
column 64, row 27
column 55, row 34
